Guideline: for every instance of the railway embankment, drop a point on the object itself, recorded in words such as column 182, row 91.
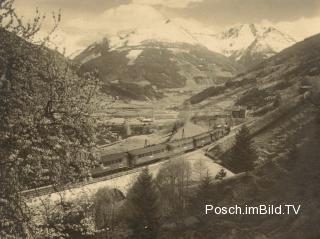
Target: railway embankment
column 256, row 127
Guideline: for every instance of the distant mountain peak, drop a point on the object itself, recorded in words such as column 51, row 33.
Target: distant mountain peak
column 251, row 43
column 253, row 29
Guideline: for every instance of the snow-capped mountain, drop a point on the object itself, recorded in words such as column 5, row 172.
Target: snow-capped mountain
column 168, row 55
column 248, row 44
column 130, row 25
column 146, row 69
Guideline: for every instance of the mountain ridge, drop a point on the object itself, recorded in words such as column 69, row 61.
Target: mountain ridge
column 249, row 44
column 153, row 67
column 180, row 58
column 280, row 76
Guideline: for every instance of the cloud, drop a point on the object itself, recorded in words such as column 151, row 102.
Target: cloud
column 167, row 3
column 120, row 18
column 301, row 28
column 80, row 32
column 226, row 12
column 74, row 7
column 124, row 18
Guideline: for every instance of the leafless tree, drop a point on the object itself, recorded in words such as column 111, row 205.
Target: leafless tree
column 173, row 180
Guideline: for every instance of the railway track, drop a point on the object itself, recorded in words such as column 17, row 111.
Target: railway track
column 38, row 192
column 255, row 125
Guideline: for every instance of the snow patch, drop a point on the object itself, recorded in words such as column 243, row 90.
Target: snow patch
column 261, row 38
column 90, row 57
column 133, row 55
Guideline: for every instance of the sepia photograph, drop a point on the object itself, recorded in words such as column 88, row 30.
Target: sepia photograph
column 159, row 119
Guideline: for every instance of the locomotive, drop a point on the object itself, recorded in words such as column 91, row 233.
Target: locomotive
column 143, row 156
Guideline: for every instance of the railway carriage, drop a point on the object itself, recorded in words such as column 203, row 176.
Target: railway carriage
column 141, row 156
column 218, row 133
column 112, row 162
column 115, row 160
column 148, row 154
column 202, row 140
column 183, row 145
column 215, row 135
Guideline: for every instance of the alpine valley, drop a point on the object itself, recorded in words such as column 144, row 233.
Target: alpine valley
column 145, row 63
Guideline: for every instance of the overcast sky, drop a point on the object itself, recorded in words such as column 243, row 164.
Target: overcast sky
column 85, row 20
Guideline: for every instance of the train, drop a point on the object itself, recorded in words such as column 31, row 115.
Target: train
column 110, row 163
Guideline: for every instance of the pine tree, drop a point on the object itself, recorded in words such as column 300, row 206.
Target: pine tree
column 221, row 174
column 204, row 194
column 243, row 153
column 143, row 208
column 207, row 193
column 205, row 190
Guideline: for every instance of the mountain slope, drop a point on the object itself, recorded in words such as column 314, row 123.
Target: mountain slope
column 278, row 77
column 301, row 60
column 145, row 70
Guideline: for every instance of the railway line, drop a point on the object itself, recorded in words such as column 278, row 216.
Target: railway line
column 118, row 165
